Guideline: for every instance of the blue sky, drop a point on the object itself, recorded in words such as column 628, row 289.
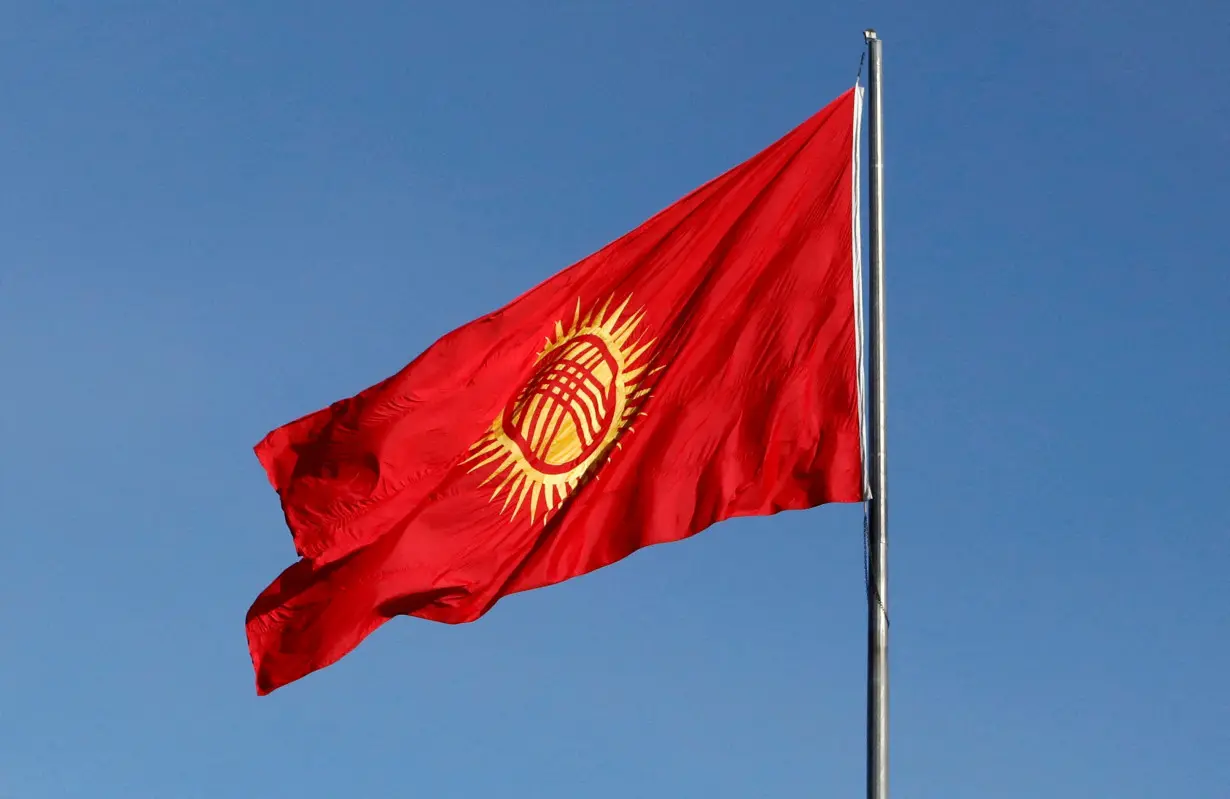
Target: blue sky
column 218, row 216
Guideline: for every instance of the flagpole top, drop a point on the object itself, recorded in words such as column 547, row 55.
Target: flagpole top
column 870, row 35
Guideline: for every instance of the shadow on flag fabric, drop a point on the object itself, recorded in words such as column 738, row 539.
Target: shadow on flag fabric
column 706, row 365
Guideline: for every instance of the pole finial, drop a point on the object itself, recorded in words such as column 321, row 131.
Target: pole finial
column 869, row 35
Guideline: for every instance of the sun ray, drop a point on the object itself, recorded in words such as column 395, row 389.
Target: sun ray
column 512, row 489
column 626, row 329
column 525, row 489
column 602, row 313
column 482, row 446
column 497, row 452
column 616, row 314
column 512, row 473
column 535, row 493
column 634, row 357
column 497, row 471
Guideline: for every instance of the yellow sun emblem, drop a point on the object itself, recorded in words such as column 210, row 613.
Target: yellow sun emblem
column 584, row 392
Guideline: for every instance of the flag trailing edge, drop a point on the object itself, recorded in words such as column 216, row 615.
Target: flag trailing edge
column 706, row 365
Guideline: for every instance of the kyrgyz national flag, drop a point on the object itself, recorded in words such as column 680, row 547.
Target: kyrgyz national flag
column 705, row 365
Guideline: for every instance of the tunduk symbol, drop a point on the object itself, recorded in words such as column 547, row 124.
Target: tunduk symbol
column 560, row 426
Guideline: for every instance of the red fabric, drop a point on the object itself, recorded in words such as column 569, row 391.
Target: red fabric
column 724, row 384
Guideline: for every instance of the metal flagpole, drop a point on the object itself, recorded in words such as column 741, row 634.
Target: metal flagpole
column 877, row 544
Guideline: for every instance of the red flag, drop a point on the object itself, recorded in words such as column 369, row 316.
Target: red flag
column 705, row 365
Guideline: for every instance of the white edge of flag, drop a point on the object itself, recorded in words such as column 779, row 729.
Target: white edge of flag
column 856, row 243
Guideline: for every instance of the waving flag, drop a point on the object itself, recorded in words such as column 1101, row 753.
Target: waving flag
column 705, row 365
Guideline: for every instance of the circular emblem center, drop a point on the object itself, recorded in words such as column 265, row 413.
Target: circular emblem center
column 564, row 413
column 564, row 421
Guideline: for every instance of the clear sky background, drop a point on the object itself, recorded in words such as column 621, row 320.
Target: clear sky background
column 215, row 217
